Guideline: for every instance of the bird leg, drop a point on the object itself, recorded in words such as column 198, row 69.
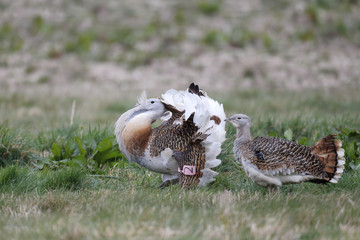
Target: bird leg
column 168, row 183
column 273, row 188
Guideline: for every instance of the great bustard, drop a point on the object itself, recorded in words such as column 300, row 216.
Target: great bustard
column 272, row 162
column 185, row 145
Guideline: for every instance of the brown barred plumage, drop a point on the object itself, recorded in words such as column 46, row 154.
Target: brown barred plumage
column 186, row 152
column 280, row 153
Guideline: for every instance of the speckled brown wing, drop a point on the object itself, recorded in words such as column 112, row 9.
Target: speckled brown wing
column 179, row 138
column 277, row 155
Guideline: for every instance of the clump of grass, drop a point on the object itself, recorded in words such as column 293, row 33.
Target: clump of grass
column 241, row 37
column 13, row 148
column 208, row 8
column 81, row 43
column 66, row 178
column 8, row 176
column 10, row 40
column 37, row 23
column 92, row 135
column 54, row 202
column 322, row 29
column 214, row 38
column 19, row 179
column 44, row 79
column 16, row 179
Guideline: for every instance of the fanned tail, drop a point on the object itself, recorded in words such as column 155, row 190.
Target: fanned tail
column 330, row 153
column 208, row 116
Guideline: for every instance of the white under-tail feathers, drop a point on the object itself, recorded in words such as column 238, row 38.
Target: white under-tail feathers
column 340, row 162
column 203, row 108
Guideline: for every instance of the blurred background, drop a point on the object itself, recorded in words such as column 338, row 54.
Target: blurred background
column 281, row 58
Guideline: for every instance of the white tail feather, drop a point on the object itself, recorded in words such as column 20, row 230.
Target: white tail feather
column 208, row 176
column 142, row 99
column 340, row 163
column 203, row 108
column 212, row 163
column 340, row 152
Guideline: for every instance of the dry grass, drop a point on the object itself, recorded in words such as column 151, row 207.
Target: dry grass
column 178, row 214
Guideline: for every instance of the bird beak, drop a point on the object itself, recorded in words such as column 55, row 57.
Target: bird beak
column 227, row 119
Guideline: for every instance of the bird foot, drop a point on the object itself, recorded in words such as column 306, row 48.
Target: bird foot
column 273, row 189
column 168, row 183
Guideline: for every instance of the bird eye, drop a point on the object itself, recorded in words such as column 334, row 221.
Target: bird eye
column 239, row 117
column 152, row 102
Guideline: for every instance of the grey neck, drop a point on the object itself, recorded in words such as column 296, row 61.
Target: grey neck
column 242, row 137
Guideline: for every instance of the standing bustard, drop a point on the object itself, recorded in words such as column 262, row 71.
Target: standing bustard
column 272, row 162
column 184, row 147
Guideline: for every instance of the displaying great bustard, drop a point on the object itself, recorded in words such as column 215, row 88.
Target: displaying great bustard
column 272, row 162
column 185, row 145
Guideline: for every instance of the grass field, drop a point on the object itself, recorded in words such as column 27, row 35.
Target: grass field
column 292, row 67
column 70, row 205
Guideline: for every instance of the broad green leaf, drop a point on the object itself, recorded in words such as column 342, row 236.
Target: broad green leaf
column 66, row 160
column 39, row 165
column 98, row 157
column 80, row 161
column 303, row 141
column 351, row 150
column 272, row 134
column 68, row 150
column 104, row 145
column 354, row 166
column 49, row 162
column 110, row 155
column 288, row 134
column 56, row 151
column 80, row 146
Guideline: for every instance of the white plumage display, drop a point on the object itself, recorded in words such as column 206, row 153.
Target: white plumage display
column 185, row 146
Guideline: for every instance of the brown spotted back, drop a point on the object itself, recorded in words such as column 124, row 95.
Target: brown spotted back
column 179, row 139
column 270, row 153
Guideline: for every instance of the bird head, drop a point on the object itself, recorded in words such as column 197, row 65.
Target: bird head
column 155, row 104
column 239, row 120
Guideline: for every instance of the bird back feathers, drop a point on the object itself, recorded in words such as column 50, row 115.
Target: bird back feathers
column 275, row 156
